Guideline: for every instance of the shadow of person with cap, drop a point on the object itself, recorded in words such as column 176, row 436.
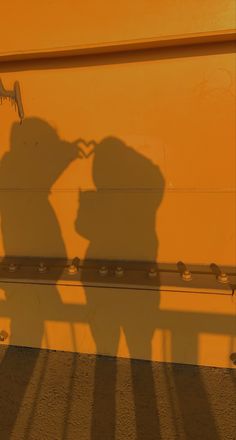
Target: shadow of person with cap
column 119, row 220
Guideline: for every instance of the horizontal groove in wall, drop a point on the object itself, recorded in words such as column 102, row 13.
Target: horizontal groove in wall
column 161, row 288
column 122, row 46
column 122, row 190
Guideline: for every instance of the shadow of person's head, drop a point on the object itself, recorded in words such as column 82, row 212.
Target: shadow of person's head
column 37, row 154
column 117, row 165
column 119, row 217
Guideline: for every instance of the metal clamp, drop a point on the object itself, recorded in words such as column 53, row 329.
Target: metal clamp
column 185, row 273
column 14, row 96
column 220, row 276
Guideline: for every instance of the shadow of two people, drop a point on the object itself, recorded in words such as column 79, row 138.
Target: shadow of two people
column 119, row 221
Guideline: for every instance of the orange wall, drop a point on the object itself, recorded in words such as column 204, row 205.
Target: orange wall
column 29, row 25
column 178, row 112
column 172, row 111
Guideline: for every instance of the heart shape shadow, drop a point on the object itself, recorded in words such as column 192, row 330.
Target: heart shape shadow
column 86, row 148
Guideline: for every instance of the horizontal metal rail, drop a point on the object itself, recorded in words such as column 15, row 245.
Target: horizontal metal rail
column 169, row 41
column 132, row 275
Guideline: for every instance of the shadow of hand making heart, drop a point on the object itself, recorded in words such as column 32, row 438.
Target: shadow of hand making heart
column 85, row 148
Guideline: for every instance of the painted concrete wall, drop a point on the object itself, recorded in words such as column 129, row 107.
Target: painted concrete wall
column 170, row 326
column 26, row 25
column 159, row 185
column 172, row 120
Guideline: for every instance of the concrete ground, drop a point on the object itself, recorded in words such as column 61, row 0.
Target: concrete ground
column 49, row 395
